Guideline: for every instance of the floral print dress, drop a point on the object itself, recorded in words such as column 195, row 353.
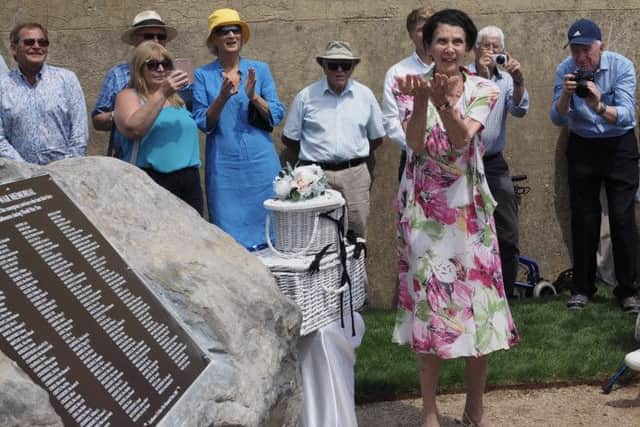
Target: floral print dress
column 451, row 300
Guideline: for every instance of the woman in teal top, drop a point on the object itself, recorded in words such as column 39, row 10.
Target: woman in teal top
column 162, row 136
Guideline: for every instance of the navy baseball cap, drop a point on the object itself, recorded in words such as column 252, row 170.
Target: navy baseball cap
column 583, row 31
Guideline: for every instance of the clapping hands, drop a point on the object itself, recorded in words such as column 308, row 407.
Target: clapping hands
column 250, row 86
column 228, row 88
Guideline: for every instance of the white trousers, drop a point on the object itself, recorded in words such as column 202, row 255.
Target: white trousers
column 328, row 358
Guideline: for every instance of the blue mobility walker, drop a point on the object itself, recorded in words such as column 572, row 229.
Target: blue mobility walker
column 528, row 282
column 631, row 361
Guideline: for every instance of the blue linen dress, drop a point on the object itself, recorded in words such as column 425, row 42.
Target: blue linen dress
column 241, row 160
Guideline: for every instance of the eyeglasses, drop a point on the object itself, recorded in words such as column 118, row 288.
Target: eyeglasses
column 32, row 42
column 151, row 36
column 491, row 46
column 333, row 66
column 222, row 31
column 153, row 64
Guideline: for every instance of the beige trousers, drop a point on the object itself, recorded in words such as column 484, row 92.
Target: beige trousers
column 354, row 184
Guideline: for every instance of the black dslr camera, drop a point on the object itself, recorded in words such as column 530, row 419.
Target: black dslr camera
column 581, row 78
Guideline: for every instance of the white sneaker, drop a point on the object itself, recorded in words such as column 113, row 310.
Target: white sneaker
column 632, row 360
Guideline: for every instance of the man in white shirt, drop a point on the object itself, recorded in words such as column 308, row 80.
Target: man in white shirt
column 418, row 63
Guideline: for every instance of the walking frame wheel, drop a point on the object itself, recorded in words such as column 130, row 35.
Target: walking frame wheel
column 544, row 289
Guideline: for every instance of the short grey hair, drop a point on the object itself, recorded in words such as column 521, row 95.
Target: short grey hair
column 490, row 31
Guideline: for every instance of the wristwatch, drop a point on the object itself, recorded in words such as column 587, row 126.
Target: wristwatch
column 445, row 106
column 602, row 107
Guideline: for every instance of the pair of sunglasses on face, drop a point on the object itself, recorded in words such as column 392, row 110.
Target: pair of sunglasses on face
column 334, row 65
column 32, row 42
column 222, row 31
column 151, row 36
column 154, row 64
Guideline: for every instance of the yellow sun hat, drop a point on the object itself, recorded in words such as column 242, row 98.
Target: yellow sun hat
column 221, row 17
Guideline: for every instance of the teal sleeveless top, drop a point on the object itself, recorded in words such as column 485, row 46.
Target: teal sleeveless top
column 171, row 144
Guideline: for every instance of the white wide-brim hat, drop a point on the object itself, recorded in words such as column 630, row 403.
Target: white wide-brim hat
column 338, row 51
column 147, row 19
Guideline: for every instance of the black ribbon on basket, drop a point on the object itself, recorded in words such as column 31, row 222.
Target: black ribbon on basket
column 342, row 253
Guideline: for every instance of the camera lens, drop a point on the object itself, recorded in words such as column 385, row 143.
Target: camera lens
column 501, row 59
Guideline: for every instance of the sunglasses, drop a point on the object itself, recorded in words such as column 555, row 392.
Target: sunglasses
column 333, row 66
column 154, row 64
column 222, row 31
column 32, row 42
column 151, row 36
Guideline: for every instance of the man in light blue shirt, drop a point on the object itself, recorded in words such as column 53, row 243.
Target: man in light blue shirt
column 489, row 52
column 3, row 66
column 336, row 122
column 594, row 95
column 43, row 115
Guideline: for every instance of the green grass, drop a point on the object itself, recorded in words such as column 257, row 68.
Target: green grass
column 557, row 345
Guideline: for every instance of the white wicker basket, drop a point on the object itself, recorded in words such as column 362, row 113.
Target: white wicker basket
column 298, row 227
column 318, row 294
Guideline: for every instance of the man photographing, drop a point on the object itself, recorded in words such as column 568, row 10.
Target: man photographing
column 489, row 55
column 594, row 95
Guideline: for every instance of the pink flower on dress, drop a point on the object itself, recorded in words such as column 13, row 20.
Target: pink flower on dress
column 462, row 297
column 473, row 226
column 437, row 142
column 404, row 297
column 431, row 196
column 443, row 331
column 487, row 271
column 438, row 294
column 434, row 206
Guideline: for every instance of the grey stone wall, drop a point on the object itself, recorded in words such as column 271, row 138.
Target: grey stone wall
column 288, row 35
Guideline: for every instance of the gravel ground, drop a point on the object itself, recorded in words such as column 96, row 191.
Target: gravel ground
column 566, row 406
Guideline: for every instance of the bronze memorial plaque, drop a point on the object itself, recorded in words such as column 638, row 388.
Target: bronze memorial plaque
column 78, row 320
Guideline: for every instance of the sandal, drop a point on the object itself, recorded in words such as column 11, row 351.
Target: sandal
column 467, row 421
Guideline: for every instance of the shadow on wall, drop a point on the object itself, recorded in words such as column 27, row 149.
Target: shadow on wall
column 561, row 190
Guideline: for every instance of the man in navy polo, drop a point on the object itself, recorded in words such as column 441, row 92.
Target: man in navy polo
column 594, row 96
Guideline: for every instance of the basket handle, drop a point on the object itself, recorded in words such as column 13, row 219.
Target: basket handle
column 335, row 291
column 267, row 227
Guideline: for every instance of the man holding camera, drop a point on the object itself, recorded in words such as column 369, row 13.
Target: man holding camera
column 514, row 99
column 594, row 95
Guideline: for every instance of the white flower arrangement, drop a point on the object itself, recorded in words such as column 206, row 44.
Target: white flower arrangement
column 300, row 183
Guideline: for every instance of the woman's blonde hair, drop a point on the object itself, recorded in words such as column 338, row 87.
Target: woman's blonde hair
column 140, row 55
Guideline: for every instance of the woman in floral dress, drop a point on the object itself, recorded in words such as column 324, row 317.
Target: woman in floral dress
column 451, row 297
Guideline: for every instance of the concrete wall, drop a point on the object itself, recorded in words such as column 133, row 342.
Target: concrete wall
column 288, row 34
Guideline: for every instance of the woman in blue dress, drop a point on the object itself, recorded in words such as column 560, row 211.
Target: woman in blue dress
column 241, row 160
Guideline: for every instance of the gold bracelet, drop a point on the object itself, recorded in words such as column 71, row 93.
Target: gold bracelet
column 445, row 106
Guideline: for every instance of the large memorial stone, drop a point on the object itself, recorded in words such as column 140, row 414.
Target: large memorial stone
column 222, row 295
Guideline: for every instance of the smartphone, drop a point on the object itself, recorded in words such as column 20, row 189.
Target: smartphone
column 184, row 64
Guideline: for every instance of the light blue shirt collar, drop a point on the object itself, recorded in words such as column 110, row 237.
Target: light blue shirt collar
column 326, row 88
